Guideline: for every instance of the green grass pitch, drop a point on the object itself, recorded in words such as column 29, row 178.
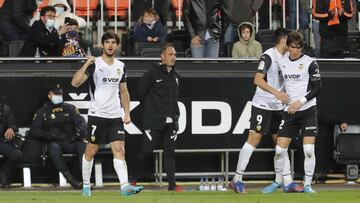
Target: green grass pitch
column 334, row 196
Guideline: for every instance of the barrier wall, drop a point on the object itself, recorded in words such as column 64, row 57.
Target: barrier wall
column 215, row 105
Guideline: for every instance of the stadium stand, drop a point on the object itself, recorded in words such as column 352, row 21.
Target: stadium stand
column 122, row 8
column 81, row 8
column 40, row 6
column 15, row 47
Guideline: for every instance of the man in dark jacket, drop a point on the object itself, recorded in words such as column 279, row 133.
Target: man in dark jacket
column 11, row 153
column 44, row 36
column 205, row 21
column 62, row 127
column 14, row 19
column 239, row 12
column 158, row 94
column 333, row 28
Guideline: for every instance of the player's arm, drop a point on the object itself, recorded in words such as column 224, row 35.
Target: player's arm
column 82, row 74
column 259, row 79
column 315, row 86
column 125, row 98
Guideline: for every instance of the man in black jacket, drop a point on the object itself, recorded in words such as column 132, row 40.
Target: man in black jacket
column 62, row 127
column 11, row 153
column 43, row 35
column 158, row 94
column 205, row 21
column 14, row 19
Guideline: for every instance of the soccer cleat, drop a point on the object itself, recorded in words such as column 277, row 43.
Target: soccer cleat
column 308, row 189
column 271, row 188
column 86, row 191
column 293, row 187
column 238, row 186
column 131, row 190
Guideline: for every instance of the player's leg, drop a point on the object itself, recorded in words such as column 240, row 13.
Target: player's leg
column 169, row 136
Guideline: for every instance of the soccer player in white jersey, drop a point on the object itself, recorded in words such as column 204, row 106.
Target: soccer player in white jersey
column 109, row 95
column 265, row 119
column 302, row 84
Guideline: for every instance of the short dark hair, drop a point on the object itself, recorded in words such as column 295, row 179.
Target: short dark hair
column 73, row 21
column 165, row 46
column 295, row 38
column 280, row 33
column 110, row 35
column 244, row 26
column 46, row 9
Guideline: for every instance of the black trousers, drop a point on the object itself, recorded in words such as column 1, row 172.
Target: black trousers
column 165, row 138
column 57, row 148
column 12, row 155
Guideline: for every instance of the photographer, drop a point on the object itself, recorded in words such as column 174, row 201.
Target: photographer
column 62, row 127
column 10, row 152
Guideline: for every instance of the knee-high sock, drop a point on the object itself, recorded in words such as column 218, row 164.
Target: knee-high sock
column 86, row 170
column 309, row 162
column 286, row 171
column 121, row 171
column 244, row 156
column 279, row 160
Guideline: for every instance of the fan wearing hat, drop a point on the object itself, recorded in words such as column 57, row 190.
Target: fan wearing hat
column 62, row 127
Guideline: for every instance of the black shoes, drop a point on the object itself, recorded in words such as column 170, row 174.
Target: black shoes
column 72, row 181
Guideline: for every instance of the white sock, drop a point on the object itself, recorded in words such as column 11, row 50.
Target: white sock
column 287, row 171
column 121, row 171
column 244, row 156
column 309, row 163
column 86, row 171
column 279, row 161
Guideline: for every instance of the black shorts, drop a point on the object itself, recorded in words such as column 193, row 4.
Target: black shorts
column 305, row 120
column 264, row 121
column 105, row 130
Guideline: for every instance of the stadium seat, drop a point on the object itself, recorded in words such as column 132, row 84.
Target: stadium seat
column 15, row 47
column 145, row 48
column 265, row 36
column 122, row 8
column 346, row 149
column 81, row 8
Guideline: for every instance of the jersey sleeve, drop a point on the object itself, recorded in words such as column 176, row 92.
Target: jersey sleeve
column 264, row 64
column 124, row 76
column 315, row 81
column 90, row 71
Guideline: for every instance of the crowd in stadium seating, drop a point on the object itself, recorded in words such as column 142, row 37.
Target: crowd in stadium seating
column 218, row 28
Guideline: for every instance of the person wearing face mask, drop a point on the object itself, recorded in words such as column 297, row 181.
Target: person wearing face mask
column 149, row 28
column 62, row 10
column 63, row 129
column 72, row 42
column 44, row 35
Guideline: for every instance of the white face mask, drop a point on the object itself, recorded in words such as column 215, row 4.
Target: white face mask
column 59, row 10
column 57, row 99
column 50, row 23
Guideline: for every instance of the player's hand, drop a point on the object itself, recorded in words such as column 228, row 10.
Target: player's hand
column 294, row 107
column 149, row 39
column 344, row 127
column 90, row 61
column 283, row 97
column 195, row 41
column 9, row 134
column 127, row 119
column 155, row 39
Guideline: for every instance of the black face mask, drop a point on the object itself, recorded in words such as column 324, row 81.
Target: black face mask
column 72, row 33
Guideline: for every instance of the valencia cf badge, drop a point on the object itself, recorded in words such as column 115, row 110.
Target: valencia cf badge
column 301, row 67
column 258, row 127
column 52, row 116
column 92, row 138
column 118, row 71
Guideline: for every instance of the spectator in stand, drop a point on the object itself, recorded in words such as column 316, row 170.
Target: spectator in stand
column 72, row 42
column 247, row 46
column 149, row 28
column 240, row 11
column 14, row 19
column 63, row 10
column 206, row 21
column 44, row 36
column 304, row 17
column 333, row 28
column 161, row 7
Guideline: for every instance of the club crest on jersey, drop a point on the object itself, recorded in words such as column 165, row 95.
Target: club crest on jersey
column 118, row 71
column 92, row 138
column 301, row 67
column 261, row 65
column 258, row 127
